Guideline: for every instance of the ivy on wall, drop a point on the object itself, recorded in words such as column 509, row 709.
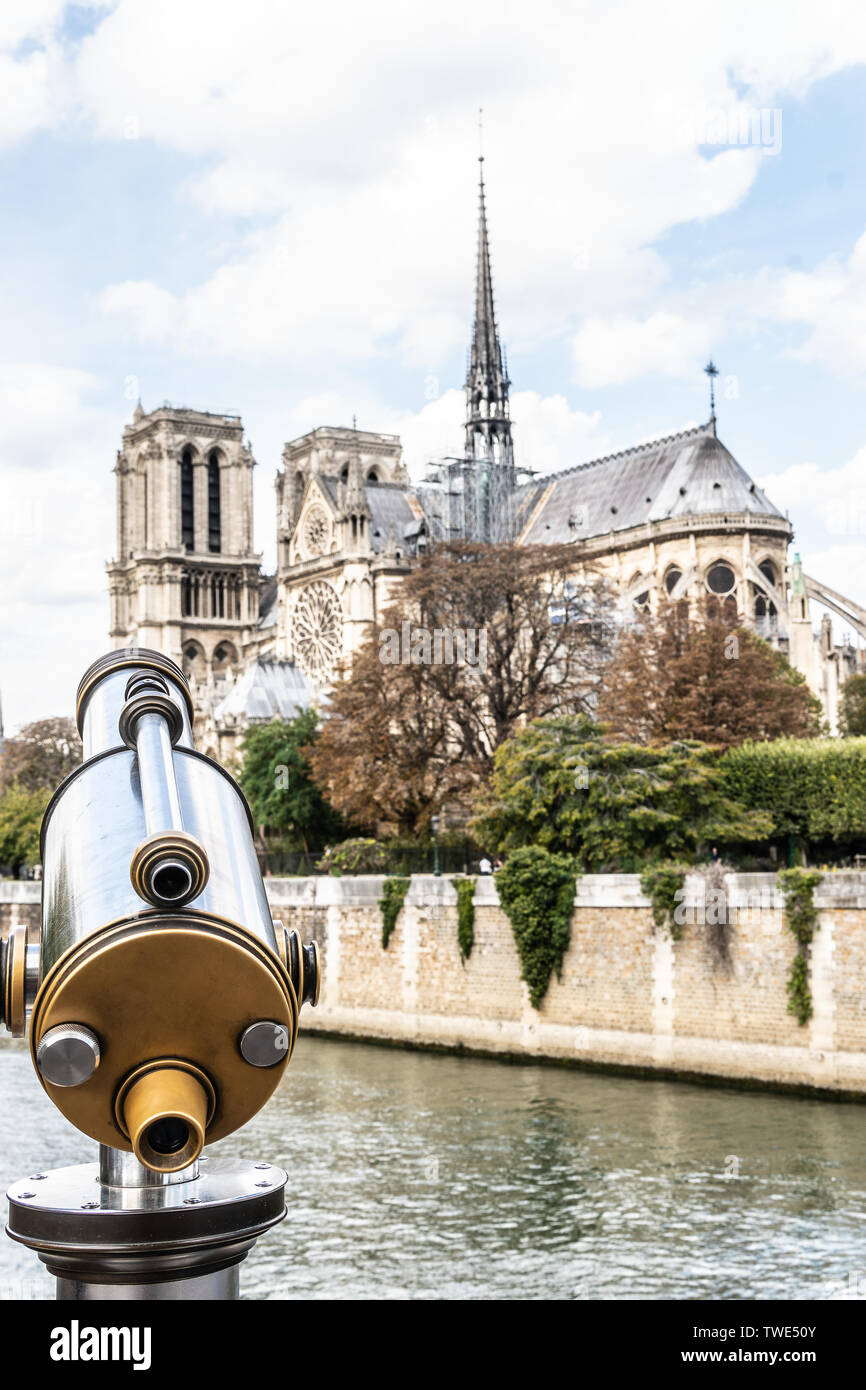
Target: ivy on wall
column 798, row 888
column 536, row 890
column 662, row 884
column 390, row 903
column 465, row 915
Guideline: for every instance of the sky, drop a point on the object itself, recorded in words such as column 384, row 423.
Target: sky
column 270, row 209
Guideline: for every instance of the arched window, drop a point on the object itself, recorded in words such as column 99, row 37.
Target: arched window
column 187, row 532
column 765, row 608
column 194, row 661
column 672, row 578
column 372, row 476
column 640, row 600
column 768, row 572
column 213, row 502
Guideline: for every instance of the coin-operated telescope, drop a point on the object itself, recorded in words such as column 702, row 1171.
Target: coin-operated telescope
column 162, row 1002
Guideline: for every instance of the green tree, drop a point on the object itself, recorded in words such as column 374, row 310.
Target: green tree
column 21, row 812
column 276, row 778
column 814, row 789
column 560, row 783
column 852, row 707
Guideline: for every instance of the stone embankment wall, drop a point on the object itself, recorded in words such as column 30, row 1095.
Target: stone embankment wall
column 629, row 996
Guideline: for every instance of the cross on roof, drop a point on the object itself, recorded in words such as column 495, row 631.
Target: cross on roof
column 712, row 372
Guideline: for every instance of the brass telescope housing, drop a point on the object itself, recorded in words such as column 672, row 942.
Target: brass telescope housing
column 166, row 986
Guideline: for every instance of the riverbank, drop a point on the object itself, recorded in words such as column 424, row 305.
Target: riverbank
column 630, row 998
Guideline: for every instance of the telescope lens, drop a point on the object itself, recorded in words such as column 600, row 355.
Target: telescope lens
column 171, row 881
column 168, row 1135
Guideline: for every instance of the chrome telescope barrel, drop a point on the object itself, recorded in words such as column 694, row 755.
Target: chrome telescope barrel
column 168, row 1005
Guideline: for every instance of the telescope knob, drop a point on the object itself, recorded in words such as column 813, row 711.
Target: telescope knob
column 14, row 993
column 302, row 963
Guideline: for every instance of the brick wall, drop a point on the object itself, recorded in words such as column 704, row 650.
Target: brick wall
column 629, row 996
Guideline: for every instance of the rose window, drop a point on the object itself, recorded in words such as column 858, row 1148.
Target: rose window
column 317, row 630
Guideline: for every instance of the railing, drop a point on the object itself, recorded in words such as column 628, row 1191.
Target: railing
column 420, row 859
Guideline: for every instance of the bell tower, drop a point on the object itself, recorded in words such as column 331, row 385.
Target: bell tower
column 186, row 577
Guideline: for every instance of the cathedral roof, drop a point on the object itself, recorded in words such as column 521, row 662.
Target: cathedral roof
column 268, row 606
column 266, row 689
column 391, row 514
column 682, row 475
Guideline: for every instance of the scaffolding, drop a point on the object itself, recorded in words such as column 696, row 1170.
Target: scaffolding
column 471, row 499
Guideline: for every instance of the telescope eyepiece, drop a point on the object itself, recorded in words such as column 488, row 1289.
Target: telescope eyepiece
column 169, row 870
column 167, row 1135
column 165, row 1109
column 170, row 881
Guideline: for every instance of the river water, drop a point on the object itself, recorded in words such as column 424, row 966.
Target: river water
column 414, row 1175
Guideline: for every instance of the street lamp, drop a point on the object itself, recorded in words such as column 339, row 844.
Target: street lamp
column 434, row 821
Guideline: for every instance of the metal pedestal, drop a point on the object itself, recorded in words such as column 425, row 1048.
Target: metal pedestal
column 115, row 1230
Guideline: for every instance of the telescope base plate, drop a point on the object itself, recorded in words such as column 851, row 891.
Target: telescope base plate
column 177, row 1240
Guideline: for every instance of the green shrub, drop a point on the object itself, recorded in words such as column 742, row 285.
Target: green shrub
column 811, row 788
column 798, row 888
column 357, row 856
column 536, row 890
column 662, row 884
column 390, row 903
column 465, row 915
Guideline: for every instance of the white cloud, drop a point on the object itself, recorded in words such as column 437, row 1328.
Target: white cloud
column 56, row 449
column 355, row 138
column 45, row 415
column 836, row 497
column 831, row 302
column 618, row 349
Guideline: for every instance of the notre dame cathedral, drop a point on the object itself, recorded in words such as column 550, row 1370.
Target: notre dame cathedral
column 667, row 517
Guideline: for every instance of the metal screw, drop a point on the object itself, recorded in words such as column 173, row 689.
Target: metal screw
column 89, row 1206
column 262, row 1165
column 26, row 1194
column 191, row 1201
column 38, row 1177
column 264, row 1184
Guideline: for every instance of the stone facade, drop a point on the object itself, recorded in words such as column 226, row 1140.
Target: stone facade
column 343, row 506
column 186, row 578
column 629, row 996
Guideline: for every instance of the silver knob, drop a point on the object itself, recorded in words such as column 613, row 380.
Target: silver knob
column 68, row 1055
column 264, row 1043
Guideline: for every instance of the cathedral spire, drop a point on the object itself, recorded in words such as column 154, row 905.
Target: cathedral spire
column 488, row 427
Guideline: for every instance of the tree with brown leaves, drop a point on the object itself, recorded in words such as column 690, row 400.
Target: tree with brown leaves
column 704, row 676
column 481, row 639
column 41, row 755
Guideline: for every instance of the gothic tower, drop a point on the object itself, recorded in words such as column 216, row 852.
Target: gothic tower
column 186, row 578
column 488, row 475
column 488, row 426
